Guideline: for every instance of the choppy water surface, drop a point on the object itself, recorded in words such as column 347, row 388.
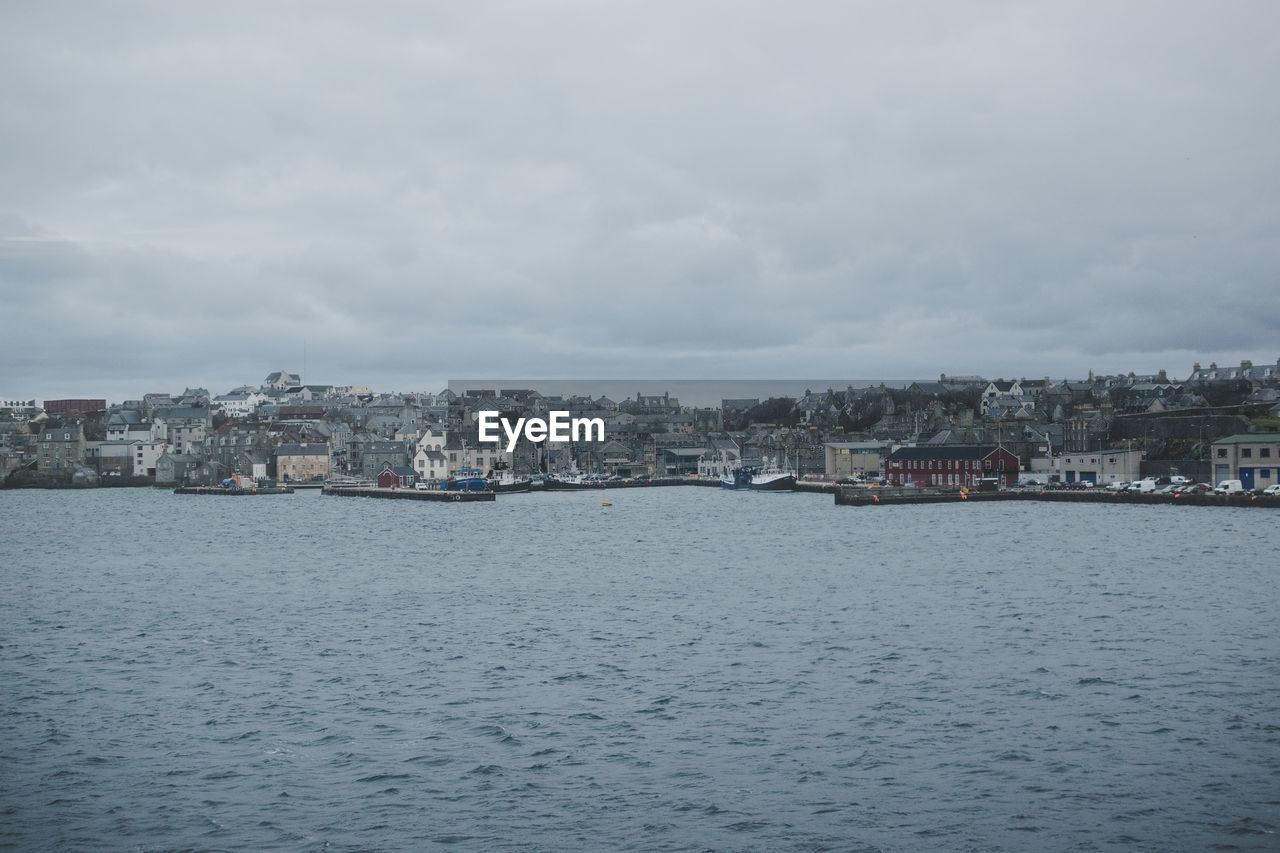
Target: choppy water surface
column 688, row 669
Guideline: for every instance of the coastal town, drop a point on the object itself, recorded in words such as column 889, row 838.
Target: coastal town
column 1213, row 424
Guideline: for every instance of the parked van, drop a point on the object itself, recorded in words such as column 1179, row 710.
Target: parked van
column 1146, row 484
column 1229, row 487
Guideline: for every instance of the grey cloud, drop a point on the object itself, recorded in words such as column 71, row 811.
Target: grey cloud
column 720, row 189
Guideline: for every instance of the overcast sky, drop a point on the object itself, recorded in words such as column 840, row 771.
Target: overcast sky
column 196, row 194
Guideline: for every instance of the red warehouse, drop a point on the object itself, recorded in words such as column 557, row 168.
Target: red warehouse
column 950, row 465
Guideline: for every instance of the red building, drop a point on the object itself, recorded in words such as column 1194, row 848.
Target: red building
column 950, row 465
column 74, row 408
column 397, row 476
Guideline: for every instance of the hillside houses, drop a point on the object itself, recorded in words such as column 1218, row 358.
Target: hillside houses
column 357, row 431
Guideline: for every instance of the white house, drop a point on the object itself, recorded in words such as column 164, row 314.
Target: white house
column 240, row 405
column 718, row 462
column 429, row 459
column 999, row 391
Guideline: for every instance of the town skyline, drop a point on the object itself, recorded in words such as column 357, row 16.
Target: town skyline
column 704, row 390
column 400, row 195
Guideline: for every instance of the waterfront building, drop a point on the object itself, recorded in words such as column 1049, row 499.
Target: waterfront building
column 174, row 468
column 60, row 449
column 396, row 476
column 305, row 461
column 1250, row 458
column 681, row 461
column 1100, row 467
column 429, row 460
column 950, row 465
column 853, row 458
column 720, row 459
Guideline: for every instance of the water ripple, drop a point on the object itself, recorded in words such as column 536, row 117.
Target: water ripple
column 690, row 671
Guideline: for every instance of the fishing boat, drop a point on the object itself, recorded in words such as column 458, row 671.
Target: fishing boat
column 466, row 480
column 505, row 480
column 771, row 478
column 772, row 481
column 738, row 478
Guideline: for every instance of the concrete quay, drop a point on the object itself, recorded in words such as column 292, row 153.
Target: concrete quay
column 222, row 490
column 408, row 494
column 852, row 496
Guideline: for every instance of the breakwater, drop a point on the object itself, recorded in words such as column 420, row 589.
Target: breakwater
column 900, row 497
column 645, row 482
column 407, row 494
column 221, row 490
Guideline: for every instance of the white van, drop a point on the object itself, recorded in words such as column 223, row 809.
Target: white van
column 1146, row 484
column 1229, row 487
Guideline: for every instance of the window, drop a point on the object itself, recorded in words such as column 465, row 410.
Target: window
column 1222, row 453
column 1246, row 453
column 1265, row 453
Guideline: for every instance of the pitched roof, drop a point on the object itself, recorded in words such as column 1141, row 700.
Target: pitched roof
column 936, row 388
column 945, row 451
column 1251, row 438
column 302, row 450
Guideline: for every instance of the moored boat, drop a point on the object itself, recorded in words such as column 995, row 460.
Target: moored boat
column 738, row 478
column 505, row 481
column 466, row 480
column 773, row 481
column 771, row 478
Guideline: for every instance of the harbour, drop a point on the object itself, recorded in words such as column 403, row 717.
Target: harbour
column 669, row 672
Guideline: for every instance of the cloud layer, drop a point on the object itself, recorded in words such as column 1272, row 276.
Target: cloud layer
column 410, row 192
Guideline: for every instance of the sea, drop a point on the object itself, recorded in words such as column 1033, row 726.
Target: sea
column 687, row 669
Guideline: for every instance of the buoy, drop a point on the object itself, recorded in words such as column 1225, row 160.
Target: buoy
column 606, row 503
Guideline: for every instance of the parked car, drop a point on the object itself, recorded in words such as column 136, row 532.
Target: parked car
column 1272, row 490
column 1229, row 487
column 1117, row 487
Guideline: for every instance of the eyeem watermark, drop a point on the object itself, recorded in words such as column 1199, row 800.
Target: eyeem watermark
column 559, row 427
